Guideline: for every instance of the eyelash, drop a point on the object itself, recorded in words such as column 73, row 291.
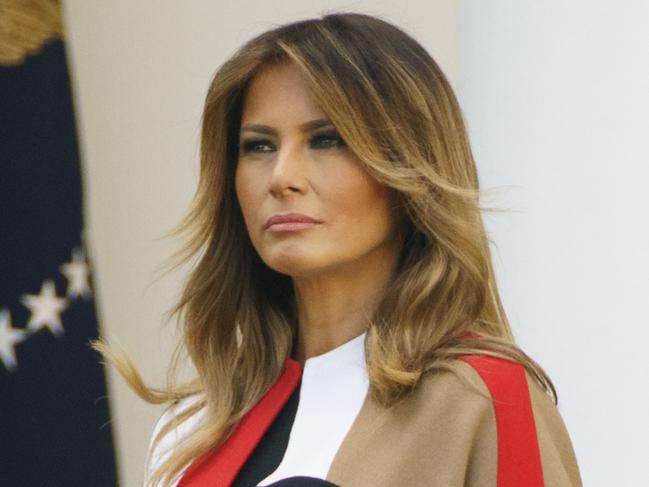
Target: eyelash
column 248, row 146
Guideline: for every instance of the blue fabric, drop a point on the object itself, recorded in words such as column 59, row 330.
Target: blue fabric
column 54, row 419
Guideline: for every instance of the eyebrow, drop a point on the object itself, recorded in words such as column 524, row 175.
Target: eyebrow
column 306, row 127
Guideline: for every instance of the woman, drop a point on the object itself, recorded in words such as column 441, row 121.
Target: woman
column 343, row 316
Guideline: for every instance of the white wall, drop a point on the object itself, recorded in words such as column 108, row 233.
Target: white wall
column 556, row 95
column 141, row 70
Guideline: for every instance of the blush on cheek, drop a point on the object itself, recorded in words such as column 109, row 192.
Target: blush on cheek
column 245, row 192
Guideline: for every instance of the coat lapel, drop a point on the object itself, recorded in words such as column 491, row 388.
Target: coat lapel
column 221, row 467
column 437, row 432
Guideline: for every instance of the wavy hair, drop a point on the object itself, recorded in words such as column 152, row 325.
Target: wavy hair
column 395, row 109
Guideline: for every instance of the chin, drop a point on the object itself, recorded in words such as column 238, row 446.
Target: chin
column 296, row 264
column 293, row 267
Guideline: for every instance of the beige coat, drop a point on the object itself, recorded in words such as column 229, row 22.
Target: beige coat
column 445, row 434
column 485, row 423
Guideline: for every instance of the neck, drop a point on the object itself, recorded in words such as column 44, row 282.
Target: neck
column 335, row 305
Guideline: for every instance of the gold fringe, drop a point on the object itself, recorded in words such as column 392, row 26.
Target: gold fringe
column 25, row 27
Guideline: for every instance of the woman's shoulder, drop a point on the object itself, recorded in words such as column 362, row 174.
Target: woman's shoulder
column 495, row 401
column 170, row 430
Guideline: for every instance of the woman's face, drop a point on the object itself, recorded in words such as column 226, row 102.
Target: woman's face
column 292, row 161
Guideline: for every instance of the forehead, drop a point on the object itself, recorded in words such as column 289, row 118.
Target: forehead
column 279, row 92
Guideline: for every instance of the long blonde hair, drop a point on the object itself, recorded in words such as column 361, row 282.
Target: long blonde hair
column 396, row 111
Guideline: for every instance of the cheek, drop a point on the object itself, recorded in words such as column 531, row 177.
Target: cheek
column 247, row 193
column 363, row 204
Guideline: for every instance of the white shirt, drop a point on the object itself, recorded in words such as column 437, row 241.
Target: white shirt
column 332, row 390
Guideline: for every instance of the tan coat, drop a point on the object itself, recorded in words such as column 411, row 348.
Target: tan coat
column 445, row 434
column 485, row 423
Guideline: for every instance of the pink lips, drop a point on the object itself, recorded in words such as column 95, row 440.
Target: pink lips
column 290, row 222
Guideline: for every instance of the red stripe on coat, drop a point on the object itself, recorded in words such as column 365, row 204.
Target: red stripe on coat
column 219, row 468
column 519, row 457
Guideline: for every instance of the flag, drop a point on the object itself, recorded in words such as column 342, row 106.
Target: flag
column 55, row 426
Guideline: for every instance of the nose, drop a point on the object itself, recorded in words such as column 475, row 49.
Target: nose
column 289, row 174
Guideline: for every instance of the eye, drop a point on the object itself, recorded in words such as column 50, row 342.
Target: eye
column 256, row 146
column 327, row 141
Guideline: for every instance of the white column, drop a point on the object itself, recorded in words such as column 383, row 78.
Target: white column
column 556, row 95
